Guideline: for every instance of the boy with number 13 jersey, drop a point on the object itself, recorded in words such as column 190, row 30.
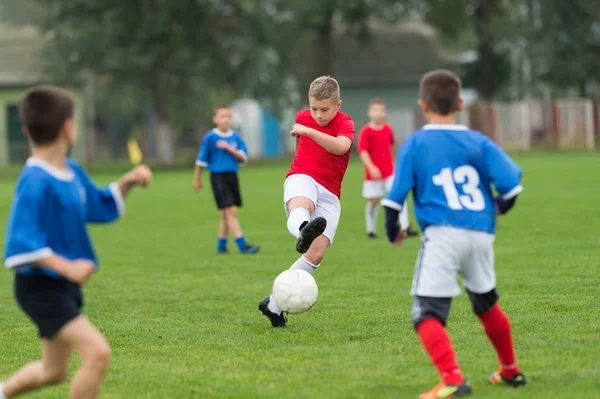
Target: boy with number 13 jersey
column 450, row 169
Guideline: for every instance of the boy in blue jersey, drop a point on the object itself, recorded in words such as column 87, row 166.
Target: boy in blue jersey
column 221, row 152
column 48, row 247
column 450, row 169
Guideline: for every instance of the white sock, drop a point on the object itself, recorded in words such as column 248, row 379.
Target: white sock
column 272, row 306
column 2, row 392
column 295, row 220
column 371, row 212
column 305, row 265
column 404, row 221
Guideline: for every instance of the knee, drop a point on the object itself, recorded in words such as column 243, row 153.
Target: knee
column 98, row 356
column 425, row 308
column 230, row 213
column 374, row 201
column 483, row 303
column 55, row 376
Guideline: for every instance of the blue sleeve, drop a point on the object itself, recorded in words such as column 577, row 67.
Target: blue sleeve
column 205, row 150
column 26, row 239
column 102, row 205
column 504, row 173
column 403, row 177
column 243, row 148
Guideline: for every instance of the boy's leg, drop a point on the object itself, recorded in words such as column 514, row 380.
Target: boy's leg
column 434, row 286
column 404, row 220
column 82, row 336
column 52, row 369
column 233, row 223
column 479, row 278
column 373, row 190
column 371, row 213
column 223, row 232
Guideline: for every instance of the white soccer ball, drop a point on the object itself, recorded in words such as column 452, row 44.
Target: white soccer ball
column 295, row 291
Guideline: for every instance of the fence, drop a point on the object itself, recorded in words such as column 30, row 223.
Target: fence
column 562, row 124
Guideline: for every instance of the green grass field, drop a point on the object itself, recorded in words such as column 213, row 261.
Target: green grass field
column 183, row 322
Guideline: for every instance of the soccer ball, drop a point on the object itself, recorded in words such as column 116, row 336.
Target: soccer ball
column 295, row 291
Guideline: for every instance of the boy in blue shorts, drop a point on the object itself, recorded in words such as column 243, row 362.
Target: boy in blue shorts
column 222, row 151
column 48, row 247
column 451, row 170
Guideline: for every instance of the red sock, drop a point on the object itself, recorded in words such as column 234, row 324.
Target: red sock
column 437, row 343
column 497, row 328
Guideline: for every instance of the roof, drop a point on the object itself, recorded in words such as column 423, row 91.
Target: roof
column 20, row 54
column 399, row 53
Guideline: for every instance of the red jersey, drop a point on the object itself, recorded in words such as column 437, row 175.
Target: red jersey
column 311, row 159
column 378, row 144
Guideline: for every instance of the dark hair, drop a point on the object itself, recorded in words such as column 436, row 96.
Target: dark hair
column 220, row 107
column 440, row 89
column 44, row 110
column 376, row 101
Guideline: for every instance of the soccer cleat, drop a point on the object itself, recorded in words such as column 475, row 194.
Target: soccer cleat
column 515, row 382
column 277, row 320
column 251, row 249
column 308, row 232
column 371, row 235
column 222, row 251
column 445, row 391
column 410, row 232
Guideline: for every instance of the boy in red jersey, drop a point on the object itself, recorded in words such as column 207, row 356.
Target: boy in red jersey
column 313, row 184
column 375, row 149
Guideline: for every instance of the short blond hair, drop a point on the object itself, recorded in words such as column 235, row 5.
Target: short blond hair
column 325, row 87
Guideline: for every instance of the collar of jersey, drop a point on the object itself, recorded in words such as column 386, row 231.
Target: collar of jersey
column 443, row 126
column 221, row 134
column 51, row 170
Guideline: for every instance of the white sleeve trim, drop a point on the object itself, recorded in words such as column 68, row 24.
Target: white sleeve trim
column 118, row 197
column 27, row 258
column 245, row 160
column 513, row 193
column 201, row 163
column 391, row 204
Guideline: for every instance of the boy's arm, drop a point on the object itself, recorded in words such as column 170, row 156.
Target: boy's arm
column 197, row 177
column 240, row 153
column 393, row 202
column 336, row 145
column 504, row 174
column 77, row 271
column 107, row 204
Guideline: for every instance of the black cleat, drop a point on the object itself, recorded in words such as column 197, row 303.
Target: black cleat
column 371, row 235
column 308, row 232
column 517, row 381
column 410, row 232
column 277, row 320
column 222, row 251
column 251, row 249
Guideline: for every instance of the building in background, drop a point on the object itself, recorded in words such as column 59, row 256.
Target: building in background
column 21, row 68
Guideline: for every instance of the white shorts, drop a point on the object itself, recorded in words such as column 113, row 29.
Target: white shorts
column 327, row 205
column 447, row 252
column 377, row 188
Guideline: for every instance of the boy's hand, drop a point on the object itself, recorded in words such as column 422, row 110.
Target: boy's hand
column 375, row 173
column 222, row 144
column 299, row 130
column 197, row 185
column 79, row 271
column 141, row 175
column 400, row 239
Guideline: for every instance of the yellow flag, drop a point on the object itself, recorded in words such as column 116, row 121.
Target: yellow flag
column 134, row 152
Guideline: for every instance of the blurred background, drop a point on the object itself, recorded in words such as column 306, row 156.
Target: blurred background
column 154, row 69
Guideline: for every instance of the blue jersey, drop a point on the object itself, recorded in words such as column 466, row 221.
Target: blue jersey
column 451, row 169
column 216, row 159
column 49, row 213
